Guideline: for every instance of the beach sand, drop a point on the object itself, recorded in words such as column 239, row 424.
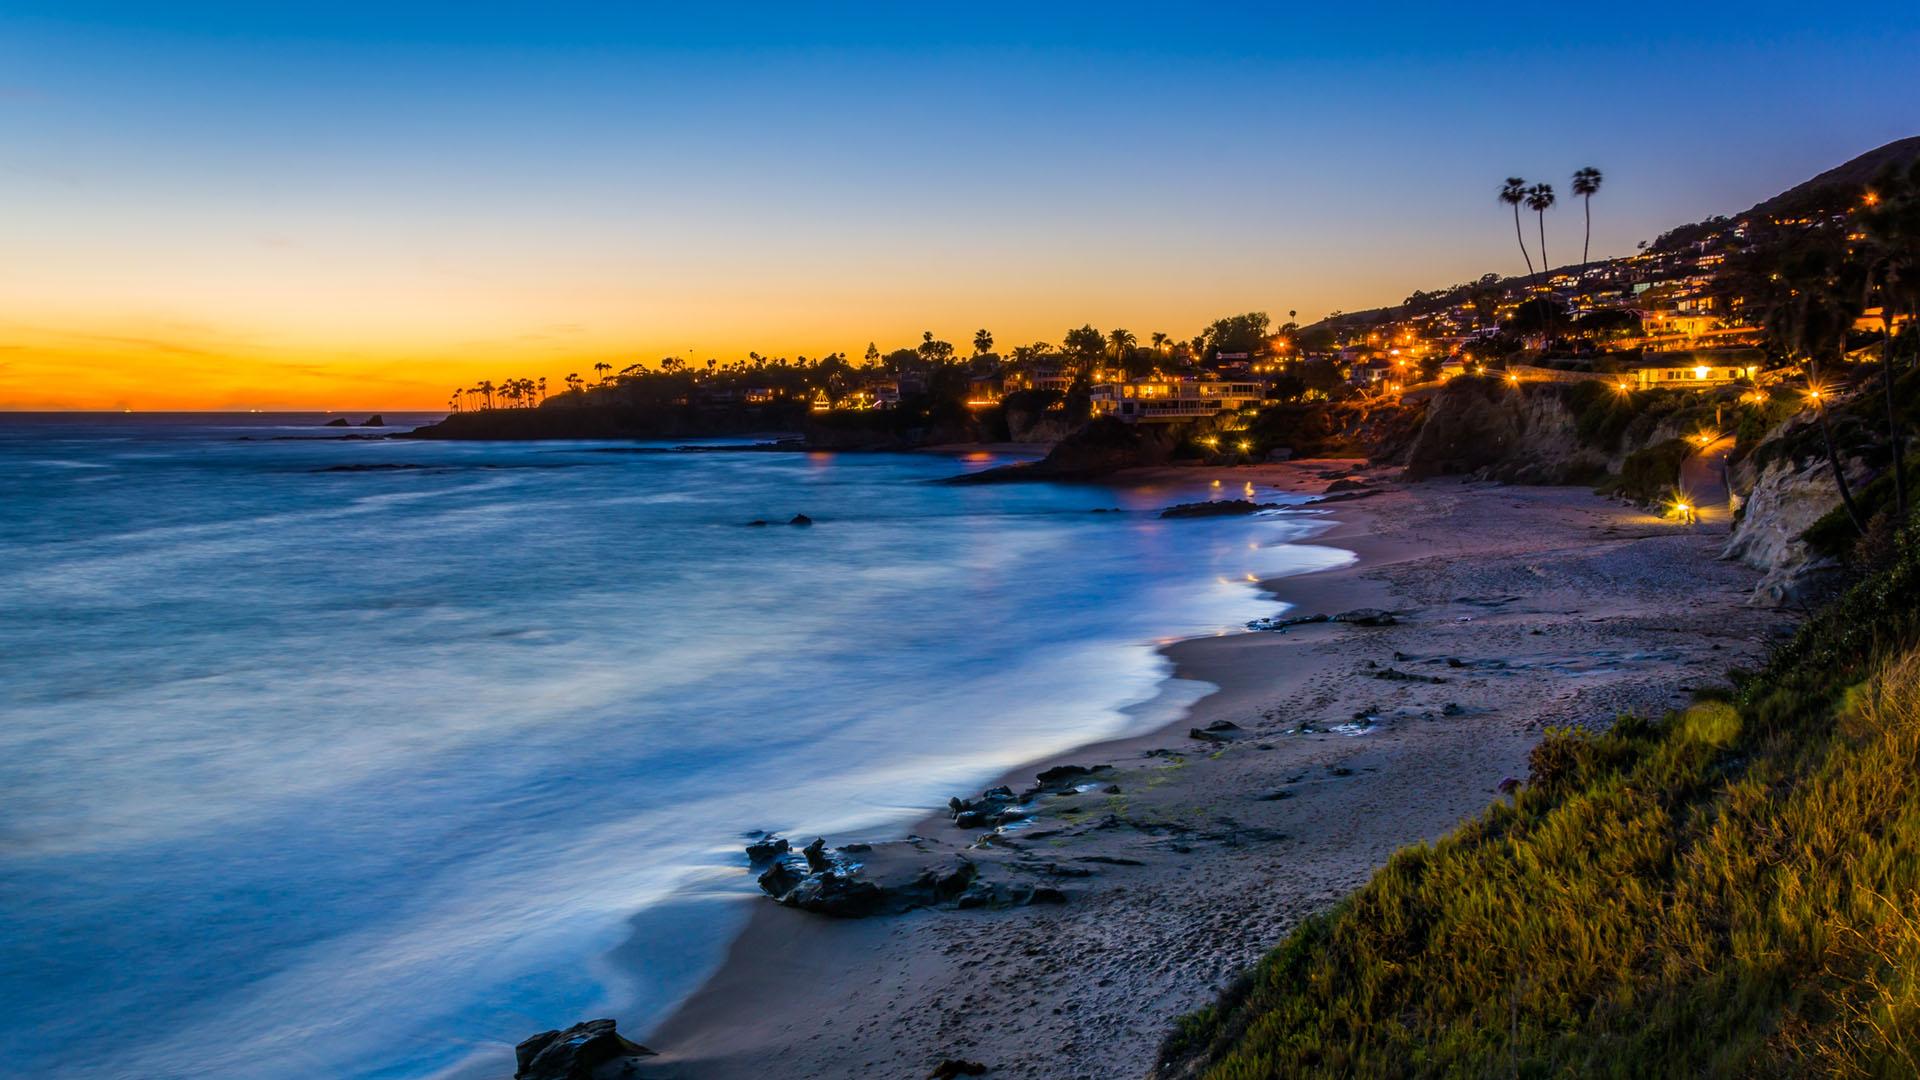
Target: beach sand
column 1537, row 607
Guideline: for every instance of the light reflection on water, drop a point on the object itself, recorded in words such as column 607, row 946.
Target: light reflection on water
column 352, row 773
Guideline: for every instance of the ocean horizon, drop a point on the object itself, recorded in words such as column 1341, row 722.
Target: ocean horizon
column 362, row 757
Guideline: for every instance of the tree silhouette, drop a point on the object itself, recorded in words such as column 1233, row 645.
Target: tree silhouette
column 1891, row 220
column 1513, row 193
column 1540, row 200
column 982, row 342
column 1123, row 342
column 1585, row 183
column 1809, row 307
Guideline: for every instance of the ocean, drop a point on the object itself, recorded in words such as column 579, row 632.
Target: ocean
column 360, row 757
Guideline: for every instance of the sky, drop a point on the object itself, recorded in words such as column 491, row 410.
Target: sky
column 235, row 206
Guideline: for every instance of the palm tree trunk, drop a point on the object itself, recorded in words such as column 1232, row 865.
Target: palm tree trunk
column 1839, row 474
column 1586, row 245
column 1522, row 238
column 1543, row 246
column 1893, row 416
column 1833, row 462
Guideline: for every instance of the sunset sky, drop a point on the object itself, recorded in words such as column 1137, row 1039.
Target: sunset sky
column 230, row 206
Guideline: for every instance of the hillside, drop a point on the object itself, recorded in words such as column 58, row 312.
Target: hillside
column 1837, row 186
column 1846, row 179
column 1725, row 891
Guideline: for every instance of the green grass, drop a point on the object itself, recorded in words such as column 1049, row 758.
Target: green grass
column 1733, row 890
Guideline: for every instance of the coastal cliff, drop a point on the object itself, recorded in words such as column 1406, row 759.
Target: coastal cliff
column 1781, row 500
column 1485, row 428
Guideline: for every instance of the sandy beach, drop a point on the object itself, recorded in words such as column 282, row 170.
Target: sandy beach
column 1517, row 609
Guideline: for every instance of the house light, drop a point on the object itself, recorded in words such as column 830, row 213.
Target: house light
column 1245, row 446
column 1700, row 372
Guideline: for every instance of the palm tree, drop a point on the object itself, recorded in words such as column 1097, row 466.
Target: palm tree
column 1159, row 341
column 1891, row 219
column 601, row 370
column 1123, row 342
column 1540, row 200
column 982, row 342
column 1810, row 308
column 1513, row 193
column 1585, row 183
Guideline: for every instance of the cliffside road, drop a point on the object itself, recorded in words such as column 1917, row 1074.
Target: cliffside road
column 1704, row 478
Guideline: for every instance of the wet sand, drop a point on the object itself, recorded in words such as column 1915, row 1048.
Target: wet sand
column 1518, row 609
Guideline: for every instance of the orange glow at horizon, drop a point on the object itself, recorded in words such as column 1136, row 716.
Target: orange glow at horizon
column 284, row 328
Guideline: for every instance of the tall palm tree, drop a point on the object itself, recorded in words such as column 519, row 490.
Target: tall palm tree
column 982, row 342
column 1540, row 200
column 1159, row 340
column 1585, row 183
column 1891, row 220
column 601, row 370
column 1123, row 342
column 1513, row 193
column 1810, row 307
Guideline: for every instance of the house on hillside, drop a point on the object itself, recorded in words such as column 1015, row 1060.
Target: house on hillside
column 1697, row 376
column 1169, row 400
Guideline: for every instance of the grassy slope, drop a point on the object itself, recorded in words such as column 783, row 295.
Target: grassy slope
column 1731, row 891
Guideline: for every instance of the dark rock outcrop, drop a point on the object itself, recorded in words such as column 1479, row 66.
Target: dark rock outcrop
column 376, row 420
column 573, row 1054
column 840, row 894
column 338, row 421
column 1366, row 617
column 1220, row 508
column 1282, row 623
column 767, row 849
column 1103, row 447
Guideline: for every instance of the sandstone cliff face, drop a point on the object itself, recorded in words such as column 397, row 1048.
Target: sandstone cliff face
column 1781, row 501
column 1480, row 427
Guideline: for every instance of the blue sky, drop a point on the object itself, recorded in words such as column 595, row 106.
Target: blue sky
column 385, row 192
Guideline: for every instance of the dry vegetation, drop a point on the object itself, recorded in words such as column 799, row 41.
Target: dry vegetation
column 1733, row 890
